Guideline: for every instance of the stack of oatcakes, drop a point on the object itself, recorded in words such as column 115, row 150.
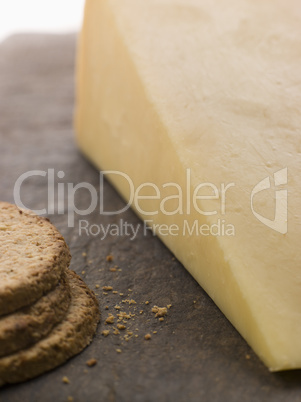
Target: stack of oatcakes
column 47, row 313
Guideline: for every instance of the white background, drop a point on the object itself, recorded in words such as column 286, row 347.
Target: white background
column 40, row 16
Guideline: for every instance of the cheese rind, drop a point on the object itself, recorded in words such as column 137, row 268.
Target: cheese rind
column 170, row 85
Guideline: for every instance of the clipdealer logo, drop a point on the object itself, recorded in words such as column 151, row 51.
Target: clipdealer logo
column 279, row 223
column 62, row 199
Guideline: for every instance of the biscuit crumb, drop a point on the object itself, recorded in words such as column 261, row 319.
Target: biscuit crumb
column 83, row 272
column 117, row 307
column 110, row 319
column 105, row 332
column 91, row 362
column 115, row 292
column 65, row 380
column 122, row 315
column 141, row 312
column 70, row 399
column 159, row 311
column 118, row 350
column 107, row 307
column 121, row 294
column 107, row 288
column 147, row 337
column 90, row 261
column 97, row 286
column 154, row 332
column 130, row 290
column 113, row 269
column 121, row 326
column 84, row 254
column 116, row 332
column 161, row 319
column 109, row 258
column 132, row 301
column 147, row 302
column 169, row 305
column 248, row 357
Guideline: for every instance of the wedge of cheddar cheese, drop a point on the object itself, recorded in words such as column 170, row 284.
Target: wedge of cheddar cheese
column 197, row 104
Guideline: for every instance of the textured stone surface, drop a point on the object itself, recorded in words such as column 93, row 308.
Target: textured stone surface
column 196, row 353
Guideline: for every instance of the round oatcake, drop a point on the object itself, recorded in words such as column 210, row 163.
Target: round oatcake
column 33, row 255
column 67, row 339
column 32, row 323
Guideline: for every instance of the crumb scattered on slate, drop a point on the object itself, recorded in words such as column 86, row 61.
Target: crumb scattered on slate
column 65, row 380
column 126, row 318
column 110, row 319
column 122, row 315
column 159, row 311
column 109, row 258
column 118, row 350
column 107, row 288
column 91, row 362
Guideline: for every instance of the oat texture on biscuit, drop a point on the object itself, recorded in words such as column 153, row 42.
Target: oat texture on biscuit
column 33, row 255
column 30, row 324
column 68, row 338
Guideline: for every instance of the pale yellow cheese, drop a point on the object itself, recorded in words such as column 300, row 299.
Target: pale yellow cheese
column 213, row 87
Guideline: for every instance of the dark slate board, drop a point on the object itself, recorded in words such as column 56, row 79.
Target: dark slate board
column 196, row 355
